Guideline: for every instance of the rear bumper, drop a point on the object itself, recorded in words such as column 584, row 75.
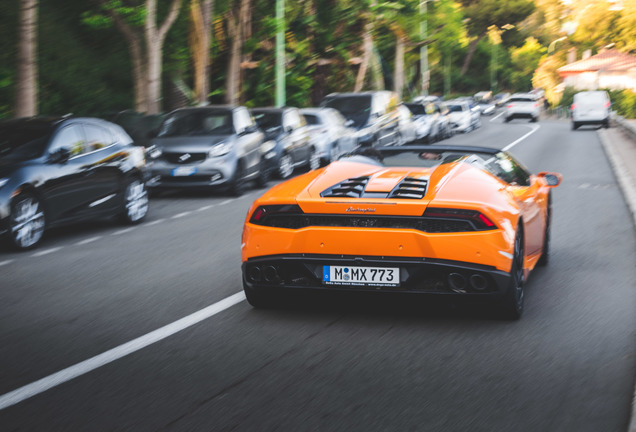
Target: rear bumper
column 417, row 275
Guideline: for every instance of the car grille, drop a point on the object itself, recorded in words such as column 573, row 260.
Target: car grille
column 432, row 225
column 179, row 158
column 411, row 188
column 351, row 188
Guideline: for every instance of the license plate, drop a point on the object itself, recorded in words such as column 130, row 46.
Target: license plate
column 184, row 171
column 361, row 276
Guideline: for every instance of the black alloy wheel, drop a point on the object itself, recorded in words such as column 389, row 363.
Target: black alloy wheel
column 238, row 183
column 135, row 205
column 263, row 174
column 27, row 221
column 512, row 302
column 285, row 166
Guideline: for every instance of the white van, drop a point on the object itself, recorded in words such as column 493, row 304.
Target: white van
column 591, row 107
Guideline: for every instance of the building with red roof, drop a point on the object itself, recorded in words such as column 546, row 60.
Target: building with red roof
column 609, row 69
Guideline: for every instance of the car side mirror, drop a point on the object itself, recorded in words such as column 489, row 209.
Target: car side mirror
column 60, row 156
column 552, row 179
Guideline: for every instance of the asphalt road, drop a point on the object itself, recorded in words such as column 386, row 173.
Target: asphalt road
column 332, row 363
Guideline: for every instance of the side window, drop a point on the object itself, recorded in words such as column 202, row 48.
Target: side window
column 242, row 120
column 96, row 138
column 71, row 138
column 508, row 170
column 291, row 119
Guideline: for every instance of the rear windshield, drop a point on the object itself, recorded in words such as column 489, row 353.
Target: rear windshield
column 24, row 140
column 355, row 108
column 196, row 123
column 311, row 119
column 268, row 120
column 455, row 108
column 416, row 109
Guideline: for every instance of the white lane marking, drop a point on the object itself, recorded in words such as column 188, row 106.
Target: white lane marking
column 116, row 353
column 180, row 215
column 124, row 231
column 497, row 116
column 46, row 252
column 2, row 263
column 514, row 143
column 204, row 208
column 227, row 201
column 88, row 240
column 158, row 221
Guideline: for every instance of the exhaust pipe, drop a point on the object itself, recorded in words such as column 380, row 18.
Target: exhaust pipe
column 270, row 273
column 254, row 273
column 457, row 282
column 478, row 282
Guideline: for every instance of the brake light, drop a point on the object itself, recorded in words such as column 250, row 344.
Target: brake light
column 572, row 107
column 260, row 215
column 477, row 219
column 510, row 106
column 607, row 104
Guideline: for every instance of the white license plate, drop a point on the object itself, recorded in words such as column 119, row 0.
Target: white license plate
column 184, row 171
column 361, row 276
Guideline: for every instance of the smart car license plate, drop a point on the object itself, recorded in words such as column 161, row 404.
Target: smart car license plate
column 184, row 171
column 361, row 276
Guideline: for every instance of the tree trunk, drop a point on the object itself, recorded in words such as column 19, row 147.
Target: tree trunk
column 367, row 45
column 398, row 74
column 200, row 46
column 27, row 91
column 472, row 47
column 155, row 38
column 237, row 29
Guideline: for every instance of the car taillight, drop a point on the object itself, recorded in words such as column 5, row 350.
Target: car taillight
column 261, row 214
column 510, row 105
column 572, row 107
column 607, row 104
column 478, row 219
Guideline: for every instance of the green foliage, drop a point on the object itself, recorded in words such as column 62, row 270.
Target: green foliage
column 624, row 102
column 525, row 61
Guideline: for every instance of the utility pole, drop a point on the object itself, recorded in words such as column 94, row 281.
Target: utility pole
column 280, row 53
column 424, row 48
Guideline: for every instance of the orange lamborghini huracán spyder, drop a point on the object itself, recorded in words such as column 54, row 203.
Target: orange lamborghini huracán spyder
column 468, row 221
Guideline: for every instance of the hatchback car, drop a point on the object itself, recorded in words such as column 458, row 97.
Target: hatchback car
column 462, row 118
column 373, row 114
column 55, row 171
column 589, row 108
column 328, row 131
column 287, row 135
column 215, row 147
column 522, row 105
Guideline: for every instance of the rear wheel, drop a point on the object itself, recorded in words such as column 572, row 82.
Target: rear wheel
column 263, row 174
column 238, row 184
column 314, row 159
column 26, row 221
column 575, row 125
column 512, row 302
column 135, row 206
column 606, row 124
column 285, row 166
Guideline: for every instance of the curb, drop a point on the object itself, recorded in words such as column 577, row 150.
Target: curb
column 627, row 184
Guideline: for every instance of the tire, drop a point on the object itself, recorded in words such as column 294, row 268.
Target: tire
column 135, row 202
column 314, row 160
column 238, row 184
column 263, row 174
column 285, row 166
column 26, row 221
column 512, row 302
column 575, row 125
column 506, row 119
column 606, row 124
column 333, row 153
column 534, row 119
column 545, row 255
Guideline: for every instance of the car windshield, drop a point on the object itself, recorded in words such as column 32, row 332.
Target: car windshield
column 416, row 109
column 196, row 123
column 312, row 119
column 521, row 99
column 24, row 140
column 268, row 120
column 355, row 108
column 455, row 108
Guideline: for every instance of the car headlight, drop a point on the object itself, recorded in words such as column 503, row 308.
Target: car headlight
column 220, row 149
column 3, row 181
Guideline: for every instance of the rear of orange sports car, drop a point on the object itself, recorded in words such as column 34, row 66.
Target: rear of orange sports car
column 447, row 228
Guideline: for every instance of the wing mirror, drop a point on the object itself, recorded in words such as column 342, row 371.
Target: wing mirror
column 552, row 179
column 60, row 156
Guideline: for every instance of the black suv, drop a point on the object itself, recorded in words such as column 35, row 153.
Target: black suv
column 374, row 114
column 60, row 170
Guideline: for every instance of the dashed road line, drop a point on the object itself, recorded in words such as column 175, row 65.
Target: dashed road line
column 6, row 262
column 180, row 215
column 116, row 353
column 496, row 117
column 156, row 222
column 204, row 208
column 46, row 252
column 123, row 231
column 514, row 143
column 227, row 201
column 88, row 240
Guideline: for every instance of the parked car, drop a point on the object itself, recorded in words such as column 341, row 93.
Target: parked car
column 373, row 114
column 485, row 102
column 407, row 127
column 461, row 117
column 432, row 220
column 287, row 134
column 429, row 121
column 522, row 105
column 215, row 147
column 591, row 107
column 55, row 171
column 328, row 131
column 501, row 99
